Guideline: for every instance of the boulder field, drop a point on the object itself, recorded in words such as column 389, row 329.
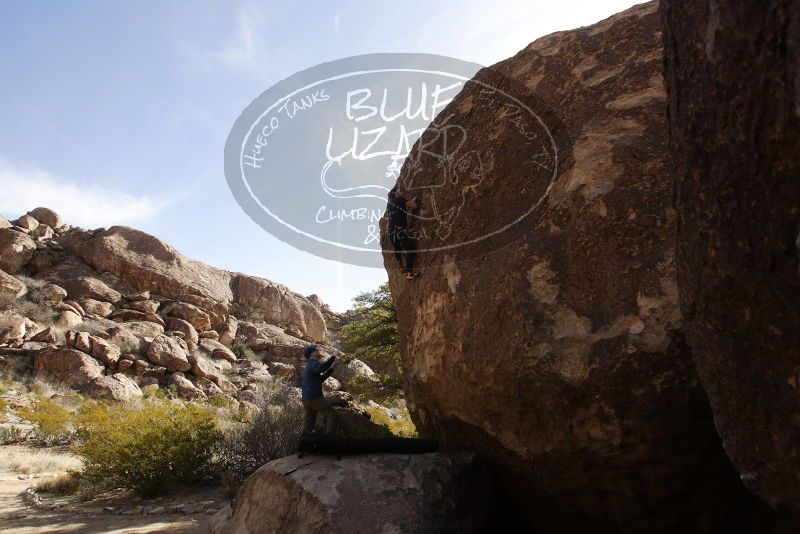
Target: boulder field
column 111, row 312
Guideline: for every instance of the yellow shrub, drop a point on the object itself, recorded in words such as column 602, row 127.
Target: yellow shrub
column 402, row 427
column 146, row 447
column 51, row 418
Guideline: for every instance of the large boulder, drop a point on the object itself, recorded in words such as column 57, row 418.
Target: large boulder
column 28, row 222
column 181, row 325
column 51, row 294
column 169, row 352
column 733, row 80
column 554, row 346
column 96, row 307
column 92, row 288
column 276, row 304
column 16, row 249
column 134, row 336
column 10, row 288
column 185, row 387
column 192, row 314
column 46, row 216
column 217, row 350
column 204, row 367
column 389, row 493
column 345, row 371
column 116, row 387
column 15, row 328
column 70, row 367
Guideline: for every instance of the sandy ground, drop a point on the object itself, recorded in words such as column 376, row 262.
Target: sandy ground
column 66, row 514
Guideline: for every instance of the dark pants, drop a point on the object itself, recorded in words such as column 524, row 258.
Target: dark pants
column 405, row 246
column 318, row 405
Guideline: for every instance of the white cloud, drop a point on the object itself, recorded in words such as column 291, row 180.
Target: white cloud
column 90, row 206
column 336, row 24
column 245, row 51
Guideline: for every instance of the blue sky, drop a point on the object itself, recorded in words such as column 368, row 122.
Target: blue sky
column 117, row 112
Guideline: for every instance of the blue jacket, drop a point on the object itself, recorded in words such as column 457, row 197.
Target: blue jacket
column 313, row 377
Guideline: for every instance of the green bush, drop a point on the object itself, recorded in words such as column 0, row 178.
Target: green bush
column 243, row 351
column 403, row 426
column 54, row 423
column 147, row 447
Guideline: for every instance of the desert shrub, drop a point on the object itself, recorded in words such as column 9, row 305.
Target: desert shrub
column 7, row 302
column 146, row 447
column 64, row 484
column 44, row 388
column 402, row 426
column 37, row 232
column 36, row 311
column 221, row 401
column 3, row 405
column 13, row 434
column 54, row 423
column 127, row 348
column 30, row 282
column 243, row 351
column 273, row 433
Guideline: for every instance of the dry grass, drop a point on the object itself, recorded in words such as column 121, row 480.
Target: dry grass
column 64, row 484
column 47, row 389
column 25, row 460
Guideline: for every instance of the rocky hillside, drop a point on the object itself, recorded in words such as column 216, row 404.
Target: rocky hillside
column 109, row 312
column 562, row 354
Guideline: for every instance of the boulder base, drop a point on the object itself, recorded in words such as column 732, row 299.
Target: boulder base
column 390, row 493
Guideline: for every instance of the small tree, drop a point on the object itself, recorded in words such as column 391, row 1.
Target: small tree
column 370, row 333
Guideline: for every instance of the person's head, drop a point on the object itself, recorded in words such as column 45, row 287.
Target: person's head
column 311, row 352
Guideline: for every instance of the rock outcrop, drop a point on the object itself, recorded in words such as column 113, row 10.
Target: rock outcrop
column 388, row 493
column 109, row 312
column 10, row 287
column 70, row 367
column 169, row 352
column 733, row 79
column 558, row 351
column 16, row 249
column 46, row 216
column 147, row 263
column 117, row 387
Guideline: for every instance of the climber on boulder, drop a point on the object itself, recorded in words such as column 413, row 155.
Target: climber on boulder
column 400, row 235
column 314, row 401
